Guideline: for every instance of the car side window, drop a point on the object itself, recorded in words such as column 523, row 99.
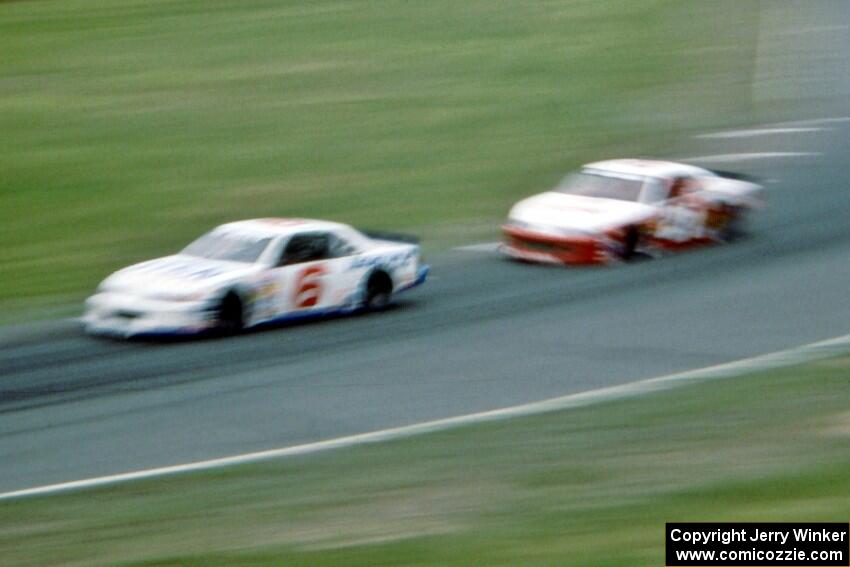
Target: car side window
column 654, row 191
column 677, row 188
column 683, row 186
column 305, row 248
column 339, row 247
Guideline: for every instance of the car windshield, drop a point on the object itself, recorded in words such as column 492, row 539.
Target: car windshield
column 588, row 184
column 226, row 245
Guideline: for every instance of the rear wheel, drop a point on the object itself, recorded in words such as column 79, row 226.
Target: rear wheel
column 231, row 314
column 735, row 227
column 379, row 290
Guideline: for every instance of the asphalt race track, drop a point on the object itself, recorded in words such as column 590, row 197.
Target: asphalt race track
column 483, row 333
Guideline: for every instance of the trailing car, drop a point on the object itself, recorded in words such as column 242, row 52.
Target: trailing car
column 610, row 211
column 252, row 272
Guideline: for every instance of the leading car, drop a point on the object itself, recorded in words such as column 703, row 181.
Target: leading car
column 609, row 211
column 253, row 272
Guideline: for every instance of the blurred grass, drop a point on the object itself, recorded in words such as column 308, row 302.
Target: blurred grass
column 131, row 126
column 591, row 486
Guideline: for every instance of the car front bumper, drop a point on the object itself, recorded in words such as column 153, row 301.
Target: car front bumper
column 126, row 315
column 532, row 246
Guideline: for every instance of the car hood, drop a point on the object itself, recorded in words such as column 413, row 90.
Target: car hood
column 559, row 212
column 177, row 276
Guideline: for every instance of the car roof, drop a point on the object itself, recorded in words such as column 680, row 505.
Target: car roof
column 278, row 226
column 646, row 167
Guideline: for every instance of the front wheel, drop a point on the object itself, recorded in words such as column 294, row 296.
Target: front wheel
column 230, row 317
column 630, row 242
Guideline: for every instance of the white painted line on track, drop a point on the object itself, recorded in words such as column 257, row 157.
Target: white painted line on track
column 483, row 247
column 764, row 362
column 751, row 133
column 812, row 122
column 747, row 156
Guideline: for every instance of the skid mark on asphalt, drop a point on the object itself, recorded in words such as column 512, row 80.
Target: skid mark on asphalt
column 778, row 359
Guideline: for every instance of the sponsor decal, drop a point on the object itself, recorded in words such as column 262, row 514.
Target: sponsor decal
column 262, row 297
column 389, row 261
column 681, row 223
column 717, row 218
column 266, row 290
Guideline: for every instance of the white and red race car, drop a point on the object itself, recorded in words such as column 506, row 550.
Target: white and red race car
column 252, row 272
column 611, row 210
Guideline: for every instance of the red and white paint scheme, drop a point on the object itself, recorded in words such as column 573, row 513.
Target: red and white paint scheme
column 247, row 273
column 611, row 210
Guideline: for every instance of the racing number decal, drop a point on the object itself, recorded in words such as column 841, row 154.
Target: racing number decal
column 308, row 287
column 681, row 222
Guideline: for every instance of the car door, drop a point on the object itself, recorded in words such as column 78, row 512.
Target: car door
column 683, row 213
column 312, row 273
column 302, row 273
column 343, row 288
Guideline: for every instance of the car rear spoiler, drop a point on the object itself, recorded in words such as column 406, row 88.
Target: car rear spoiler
column 737, row 176
column 392, row 236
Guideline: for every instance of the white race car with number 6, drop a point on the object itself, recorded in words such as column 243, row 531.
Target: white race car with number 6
column 248, row 273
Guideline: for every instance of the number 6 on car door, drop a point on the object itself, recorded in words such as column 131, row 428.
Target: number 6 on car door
column 308, row 287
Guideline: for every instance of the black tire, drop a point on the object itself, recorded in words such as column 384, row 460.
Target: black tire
column 735, row 227
column 379, row 291
column 230, row 317
column 630, row 242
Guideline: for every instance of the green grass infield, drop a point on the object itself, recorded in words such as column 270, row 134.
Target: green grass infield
column 132, row 126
